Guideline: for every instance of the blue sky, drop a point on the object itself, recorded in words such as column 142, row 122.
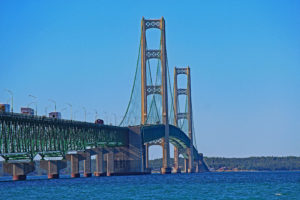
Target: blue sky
column 244, row 57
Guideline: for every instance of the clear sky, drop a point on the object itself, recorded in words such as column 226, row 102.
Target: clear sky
column 244, row 58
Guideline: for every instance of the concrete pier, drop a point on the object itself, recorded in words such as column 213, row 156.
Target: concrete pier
column 185, row 165
column 53, row 169
column 147, row 155
column 87, row 164
column 74, row 166
column 166, row 157
column 18, row 170
column 176, row 161
column 197, row 166
column 99, row 171
column 110, row 163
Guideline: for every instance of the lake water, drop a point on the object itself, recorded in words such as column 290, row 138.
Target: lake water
column 229, row 185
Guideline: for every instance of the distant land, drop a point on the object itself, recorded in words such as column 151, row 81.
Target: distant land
column 270, row 163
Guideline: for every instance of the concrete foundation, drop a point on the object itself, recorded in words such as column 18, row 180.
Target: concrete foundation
column 53, row 169
column 176, row 161
column 99, row 171
column 18, row 170
column 87, row 164
column 110, row 163
column 167, row 170
column 147, row 156
column 185, row 166
column 75, row 166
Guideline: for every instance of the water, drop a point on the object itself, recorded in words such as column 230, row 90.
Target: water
column 235, row 185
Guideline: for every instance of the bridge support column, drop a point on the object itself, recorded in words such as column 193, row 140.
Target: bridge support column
column 110, row 163
column 191, row 168
column 99, row 164
column 197, row 167
column 18, row 170
column 53, row 169
column 176, row 160
column 75, row 166
column 87, row 164
column 185, row 165
column 166, row 153
column 147, row 156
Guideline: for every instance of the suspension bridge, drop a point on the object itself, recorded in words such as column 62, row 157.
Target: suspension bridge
column 154, row 116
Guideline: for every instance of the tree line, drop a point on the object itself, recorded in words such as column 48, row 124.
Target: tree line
column 269, row 163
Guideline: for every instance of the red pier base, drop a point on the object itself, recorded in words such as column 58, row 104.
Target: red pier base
column 19, row 177
column 87, row 174
column 76, row 175
column 109, row 174
column 53, row 176
column 99, row 174
column 166, row 170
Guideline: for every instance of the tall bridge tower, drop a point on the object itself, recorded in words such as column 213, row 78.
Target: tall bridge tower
column 146, row 90
column 186, row 115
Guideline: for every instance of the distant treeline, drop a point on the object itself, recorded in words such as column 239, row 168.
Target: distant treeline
column 251, row 163
column 255, row 163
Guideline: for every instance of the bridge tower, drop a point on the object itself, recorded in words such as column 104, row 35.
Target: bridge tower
column 186, row 115
column 156, row 89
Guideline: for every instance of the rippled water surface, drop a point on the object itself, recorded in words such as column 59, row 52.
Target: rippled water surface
column 235, row 185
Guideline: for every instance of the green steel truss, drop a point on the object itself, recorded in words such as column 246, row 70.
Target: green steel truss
column 29, row 135
column 177, row 137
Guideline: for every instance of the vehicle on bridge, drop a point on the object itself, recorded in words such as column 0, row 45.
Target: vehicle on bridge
column 27, row 111
column 4, row 107
column 99, row 121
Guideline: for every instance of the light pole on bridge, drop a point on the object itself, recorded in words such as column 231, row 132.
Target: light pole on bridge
column 84, row 109
column 34, row 102
column 51, row 100
column 71, row 109
column 12, row 99
column 96, row 114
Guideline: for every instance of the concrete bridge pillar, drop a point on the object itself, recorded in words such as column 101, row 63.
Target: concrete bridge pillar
column 197, row 166
column 18, row 170
column 99, row 163
column 110, row 163
column 53, row 169
column 185, row 165
column 191, row 168
column 147, row 155
column 87, row 164
column 176, row 161
column 166, row 157
column 75, row 166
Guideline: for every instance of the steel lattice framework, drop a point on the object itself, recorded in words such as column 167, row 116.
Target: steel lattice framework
column 20, row 133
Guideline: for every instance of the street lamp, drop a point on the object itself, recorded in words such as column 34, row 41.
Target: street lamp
column 51, row 100
column 46, row 108
column 96, row 116
column 106, row 117
column 84, row 113
column 74, row 114
column 114, row 114
column 12, row 99
column 35, row 106
column 34, row 103
column 71, row 109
